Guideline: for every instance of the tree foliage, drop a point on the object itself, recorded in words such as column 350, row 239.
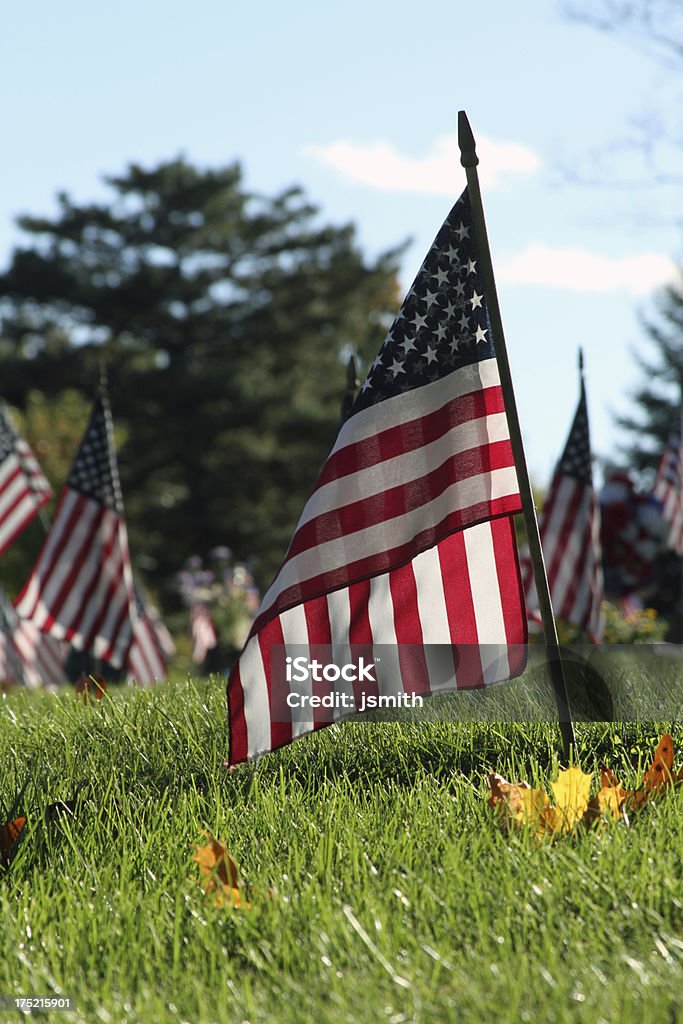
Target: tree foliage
column 223, row 318
column 657, row 400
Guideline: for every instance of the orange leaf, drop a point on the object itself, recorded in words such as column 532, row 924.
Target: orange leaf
column 219, row 873
column 658, row 776
column 87, row 685
column 9, row 833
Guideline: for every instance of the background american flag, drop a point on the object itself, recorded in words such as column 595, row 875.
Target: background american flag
column 407, row 540
column 81, row 587
column 569, row 525
column 23, row 487
column 668, row 490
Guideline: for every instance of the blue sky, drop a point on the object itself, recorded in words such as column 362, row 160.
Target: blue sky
column 357, row 102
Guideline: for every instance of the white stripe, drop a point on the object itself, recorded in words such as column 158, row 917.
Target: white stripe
column 256, row 705
column 436, row 631
column 48, row 588
column 341, row 551
column 295, row 636
column 404, row 468
column 72, row 613
column 384, row 643
column 486, row 599
column 573, row 552
column 421, row 401
column 339, row 614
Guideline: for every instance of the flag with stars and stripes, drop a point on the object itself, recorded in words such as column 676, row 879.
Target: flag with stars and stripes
column 23, row 487
column 668, row 490
column 81, row 587
column 569, row 525
column 406, row 545
column 152, row 644
column 27, row 656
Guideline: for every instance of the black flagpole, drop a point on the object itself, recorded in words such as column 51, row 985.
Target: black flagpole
column 469, row 160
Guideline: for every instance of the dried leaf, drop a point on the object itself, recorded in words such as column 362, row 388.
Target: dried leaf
column 658, row 776
column 9, row 834
column 219, row 874
column 87, row 685
column 572, row 792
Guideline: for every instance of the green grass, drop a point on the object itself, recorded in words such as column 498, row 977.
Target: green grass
column 381, row 887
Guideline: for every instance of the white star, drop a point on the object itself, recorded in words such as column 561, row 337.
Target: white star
column 480, row 333
column 377, row 362
column 418, row 321
column 408, row 344
column 470, row 266
column 430, row 298
column 476, row 300
column 441, row 332
column 459, row 289
column 430, row 354
column 450, row 310
column 396, row 368
column 462, row 231
column 441, row 276
column 452, row 254
column 366, row 385
column 464, row 322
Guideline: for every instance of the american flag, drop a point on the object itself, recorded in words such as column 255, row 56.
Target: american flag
column 569, row 525
column 668, row 491
column 407, row 542
column 202, row 631
column 23, row 487
column 81, row 587
column 152, row 644
column 27, row 656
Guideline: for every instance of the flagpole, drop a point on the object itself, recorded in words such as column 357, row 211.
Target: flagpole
column 469, row 160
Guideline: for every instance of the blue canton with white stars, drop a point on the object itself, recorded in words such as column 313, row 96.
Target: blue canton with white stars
column 8, row 435
column 443, row 324
column 575, row 460
column 94, row 473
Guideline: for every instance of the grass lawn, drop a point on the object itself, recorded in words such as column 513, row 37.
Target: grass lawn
column 382, row 888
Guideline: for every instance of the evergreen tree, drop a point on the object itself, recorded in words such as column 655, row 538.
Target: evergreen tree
column 225, row 320
column 657, row 400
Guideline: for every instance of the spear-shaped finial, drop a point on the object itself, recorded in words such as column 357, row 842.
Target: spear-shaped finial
column 468, row 150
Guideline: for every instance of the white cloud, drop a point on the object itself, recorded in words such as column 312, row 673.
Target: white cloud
column 580, row 270
column 380, row 165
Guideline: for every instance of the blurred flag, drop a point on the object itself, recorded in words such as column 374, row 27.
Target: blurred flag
column 667, row 490
column 569, row 525
column 27, row 656
column 81, row 587
column 23, row 487
column 152, row 644
column 407, row 543
column 202, row 631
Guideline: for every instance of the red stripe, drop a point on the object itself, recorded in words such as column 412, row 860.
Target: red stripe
column 8, row 539
column 238, row 740
column 280, row 715
column 63, row 544
column 554, row 549
column 510, row 587
column 384, row 561
column 320, row 640
column 410, row 435
column 360, row 635
column 80, row 568
column 408, row 628
column 460, row 611
column 27, row 613
column 406, row 497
